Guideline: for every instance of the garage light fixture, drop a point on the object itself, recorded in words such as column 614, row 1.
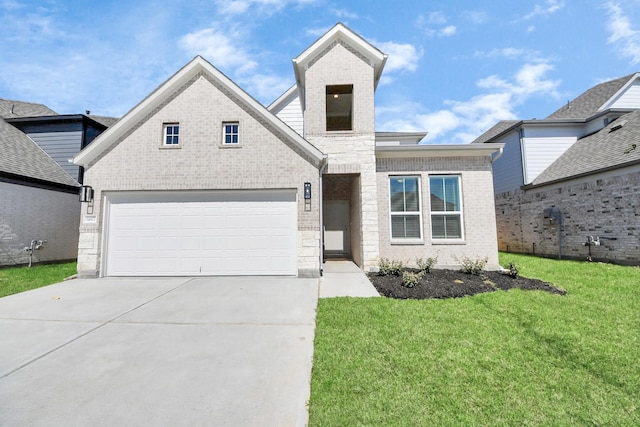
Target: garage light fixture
column 86, row 193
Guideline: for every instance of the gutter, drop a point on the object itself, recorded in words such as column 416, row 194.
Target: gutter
column 323, row 167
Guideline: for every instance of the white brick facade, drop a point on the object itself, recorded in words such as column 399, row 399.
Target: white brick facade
column 262, row 161
column 353, row 151
column 477, row 203
column 28, row 213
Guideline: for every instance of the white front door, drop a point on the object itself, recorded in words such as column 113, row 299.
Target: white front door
column 201, row 233
column 337, row 235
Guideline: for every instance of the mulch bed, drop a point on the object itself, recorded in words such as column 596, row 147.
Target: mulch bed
column 456, row 284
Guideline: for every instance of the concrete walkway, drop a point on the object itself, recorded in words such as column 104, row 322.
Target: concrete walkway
column 158, row 352
column 345, row 279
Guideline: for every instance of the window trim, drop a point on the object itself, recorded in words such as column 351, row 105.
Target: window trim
column 165, row 135
column 223, row 131
column 459, row 212
column 406, row 240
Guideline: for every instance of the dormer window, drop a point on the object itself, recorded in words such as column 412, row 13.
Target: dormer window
column 339, row 107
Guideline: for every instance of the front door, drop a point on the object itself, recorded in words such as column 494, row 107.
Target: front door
column 337, row 238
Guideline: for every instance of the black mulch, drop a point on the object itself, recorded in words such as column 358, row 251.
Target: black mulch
column 455, row 284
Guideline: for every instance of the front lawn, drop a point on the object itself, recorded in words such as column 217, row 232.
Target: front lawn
column 500, row 358
column 20, row 279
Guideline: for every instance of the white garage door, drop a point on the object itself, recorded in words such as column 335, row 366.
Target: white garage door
column 201, row 233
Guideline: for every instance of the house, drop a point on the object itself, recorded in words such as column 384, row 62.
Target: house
column 201, row 179
column 568, row 185
column 38, row 199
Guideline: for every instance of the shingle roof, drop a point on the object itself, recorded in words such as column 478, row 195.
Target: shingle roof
column 588, row 103
column 605, row 149
column 20, row 155
column 104, row 120
column 10, row 109
column 494, row 131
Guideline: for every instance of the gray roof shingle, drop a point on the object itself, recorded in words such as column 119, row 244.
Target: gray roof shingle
column 104, row 120
column 494, row 131
column 588, row 103
column 10, row 109
column 605, row 149
column 20, row 155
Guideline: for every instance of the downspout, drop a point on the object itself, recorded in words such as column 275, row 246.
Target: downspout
column 323, row 167
column 497, row 156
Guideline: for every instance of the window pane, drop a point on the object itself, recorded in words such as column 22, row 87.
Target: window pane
column 445, row 194
column 411, row 197
column 405, row 227
column 396, row 186
column 446, row 227
column 452, row 193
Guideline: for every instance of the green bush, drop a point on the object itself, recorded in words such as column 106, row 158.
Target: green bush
column 410, row 279
column 473, row 266
column 426, row 265
column 390, row 267
column 513, row 270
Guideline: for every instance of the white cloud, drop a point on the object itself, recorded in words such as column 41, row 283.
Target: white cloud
column 344, row 13
column 402, row 56
column 435, row 24
column 239, row 7
column 263, row 86
column 476, row 17
column 224, row 50
column 548, row 8
column 447, row 31
column 462, row 121
column 622, row 35
column 507, row 52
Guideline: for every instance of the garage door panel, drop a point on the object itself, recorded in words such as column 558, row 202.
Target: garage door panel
column 222, row 234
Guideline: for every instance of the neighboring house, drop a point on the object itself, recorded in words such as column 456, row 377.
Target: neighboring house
column 201, row 179
column 38, row 199
column 569, row 185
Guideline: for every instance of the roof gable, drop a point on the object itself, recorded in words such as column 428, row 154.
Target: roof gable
column 339, row 33
column 593, row 100
column 140, row 112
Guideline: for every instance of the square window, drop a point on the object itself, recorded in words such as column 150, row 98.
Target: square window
column 231, row 133
column 406, row 218
column 446, row 209
column 171, row 134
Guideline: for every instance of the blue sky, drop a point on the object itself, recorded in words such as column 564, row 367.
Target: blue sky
column 455, row 67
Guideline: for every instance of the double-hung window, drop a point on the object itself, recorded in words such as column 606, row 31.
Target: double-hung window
column 406, row 220
column 231, row 133
column 446, row 207
column 171, row 134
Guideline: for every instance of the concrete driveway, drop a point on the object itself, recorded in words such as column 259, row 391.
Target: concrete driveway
column 171, row 351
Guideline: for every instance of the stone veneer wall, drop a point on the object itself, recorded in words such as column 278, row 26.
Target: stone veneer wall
column 262, row 161
column 29, row 213
column 607, row 206
column 477, row 205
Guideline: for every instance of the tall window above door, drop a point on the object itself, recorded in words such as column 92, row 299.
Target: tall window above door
column 446, row 207
column 406, row 217
column 339, row 107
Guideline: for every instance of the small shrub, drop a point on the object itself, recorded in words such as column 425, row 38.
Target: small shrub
column 426, row 265
column 473, row 266
column 513, row 270
column 390, row 267
column 410, row 279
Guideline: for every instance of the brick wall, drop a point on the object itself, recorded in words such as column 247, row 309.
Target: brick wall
column 607, row 206
column 477, row 204
column 28, row 213
column 263, row 160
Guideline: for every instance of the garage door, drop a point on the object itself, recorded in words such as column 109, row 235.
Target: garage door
column 201, row 233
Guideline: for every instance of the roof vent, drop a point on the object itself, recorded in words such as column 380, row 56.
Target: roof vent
column 617, row 126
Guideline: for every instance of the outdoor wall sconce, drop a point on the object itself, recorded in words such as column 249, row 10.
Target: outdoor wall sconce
column 86, row 194
column 307, row 196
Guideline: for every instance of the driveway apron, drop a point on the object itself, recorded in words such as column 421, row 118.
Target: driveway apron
column 173, row 351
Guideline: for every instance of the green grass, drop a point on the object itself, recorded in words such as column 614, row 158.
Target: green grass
column 20, row 279
column 503, row 358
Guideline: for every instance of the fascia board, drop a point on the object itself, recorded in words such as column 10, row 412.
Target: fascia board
column 440, row 150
